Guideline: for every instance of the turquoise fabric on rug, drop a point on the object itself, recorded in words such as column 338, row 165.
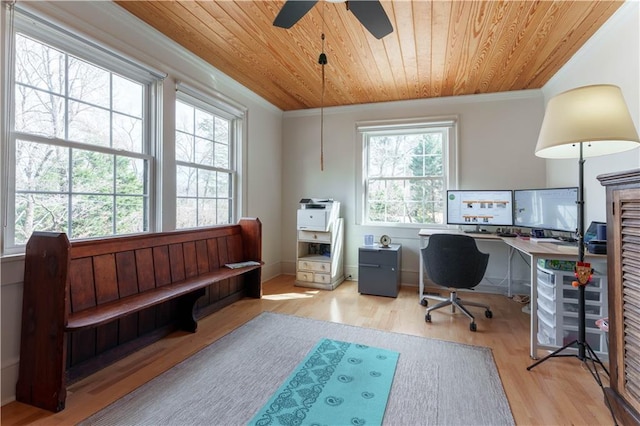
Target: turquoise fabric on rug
column 338, row 383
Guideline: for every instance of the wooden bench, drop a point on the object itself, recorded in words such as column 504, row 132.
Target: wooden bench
column 88, row 303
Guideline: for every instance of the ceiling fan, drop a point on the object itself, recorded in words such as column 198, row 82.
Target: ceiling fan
column 370, row 13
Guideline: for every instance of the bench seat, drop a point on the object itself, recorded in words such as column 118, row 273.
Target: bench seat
column 110, row 311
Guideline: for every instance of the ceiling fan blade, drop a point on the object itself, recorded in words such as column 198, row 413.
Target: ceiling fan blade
column 292, row 11
column 372, row 16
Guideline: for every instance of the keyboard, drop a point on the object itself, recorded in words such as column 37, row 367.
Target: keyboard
column 565, row 243
column 506, row 234
column 567, row 239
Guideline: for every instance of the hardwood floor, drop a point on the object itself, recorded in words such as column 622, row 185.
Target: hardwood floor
column 561, row 391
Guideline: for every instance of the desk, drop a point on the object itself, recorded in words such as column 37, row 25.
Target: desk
column 535, row 251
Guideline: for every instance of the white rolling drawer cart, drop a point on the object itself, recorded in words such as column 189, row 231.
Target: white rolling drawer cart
column 558, row 309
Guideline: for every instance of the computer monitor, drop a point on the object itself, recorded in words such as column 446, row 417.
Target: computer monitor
column 553, row 209
column 480, row 207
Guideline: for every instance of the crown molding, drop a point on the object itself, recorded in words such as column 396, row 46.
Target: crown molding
column 416, row 103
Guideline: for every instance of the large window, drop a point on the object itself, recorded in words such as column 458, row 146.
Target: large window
column 205, row 166
column 79, row 151
column 406, row 169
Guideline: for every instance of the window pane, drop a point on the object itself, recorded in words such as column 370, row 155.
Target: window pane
column 88, row 124
column 127, row 96
column 222, row 131
column 206, row 183
column 204, row 152
column 39, row 66
column 186, row 181
column 88, row 83
column 377, row 211
column 39, row 212
column 92, row 172
column 394, row 213
column 224, row 212
column 184, row 117
column 184, row 147
column 186, row 212
column 127, row 133
column 131, row 175
column 223, row 185
column 204, row 124
column 41, row 167
column 130, row 215
column 92, row 215
column 221, row 156
column 39, row 113
column 207, row 212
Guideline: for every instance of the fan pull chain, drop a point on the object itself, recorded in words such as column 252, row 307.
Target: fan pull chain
column 322, row 60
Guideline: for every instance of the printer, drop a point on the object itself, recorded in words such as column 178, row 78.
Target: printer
column 595, row 238
column 317, row 214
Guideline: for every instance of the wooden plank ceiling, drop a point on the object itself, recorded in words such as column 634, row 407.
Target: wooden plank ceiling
column 437, row 48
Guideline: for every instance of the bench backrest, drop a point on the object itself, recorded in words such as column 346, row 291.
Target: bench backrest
column 104, row 270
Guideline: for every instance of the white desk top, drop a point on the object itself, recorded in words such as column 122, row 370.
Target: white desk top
column 426, row 232
column 537, row 249
column 550, row 250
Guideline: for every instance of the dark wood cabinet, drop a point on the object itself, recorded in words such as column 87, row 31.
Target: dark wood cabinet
column 623, row 260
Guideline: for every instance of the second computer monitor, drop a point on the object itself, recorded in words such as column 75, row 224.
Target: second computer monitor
column 553, row 209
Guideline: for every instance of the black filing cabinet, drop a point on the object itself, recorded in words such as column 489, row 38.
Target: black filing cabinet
column 379, row 270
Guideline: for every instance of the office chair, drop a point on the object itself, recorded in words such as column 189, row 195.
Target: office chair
column 454, row 261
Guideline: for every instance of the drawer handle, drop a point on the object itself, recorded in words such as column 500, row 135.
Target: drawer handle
column 369, row 265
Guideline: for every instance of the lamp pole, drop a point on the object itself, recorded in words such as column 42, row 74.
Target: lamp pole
column 582, row 322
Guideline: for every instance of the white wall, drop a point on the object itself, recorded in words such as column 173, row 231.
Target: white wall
column 497, row 137
column 112, row 26
column 611, row 56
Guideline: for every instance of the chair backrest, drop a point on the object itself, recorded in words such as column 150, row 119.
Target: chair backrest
column 452, row 260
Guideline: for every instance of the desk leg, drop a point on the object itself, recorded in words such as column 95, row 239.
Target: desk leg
column 533, row 306
column 509, row 272
column 421, row 271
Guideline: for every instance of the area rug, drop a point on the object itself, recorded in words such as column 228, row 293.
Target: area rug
column 227, row 383
column 337, row 383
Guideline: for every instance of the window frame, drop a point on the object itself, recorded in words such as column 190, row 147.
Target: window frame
column 366, row 129
column 83, row 48
column 224, row 108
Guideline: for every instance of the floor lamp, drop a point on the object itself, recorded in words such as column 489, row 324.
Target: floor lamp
column 584, row 122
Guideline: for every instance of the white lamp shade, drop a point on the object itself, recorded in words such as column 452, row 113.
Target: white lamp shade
column 596, row 115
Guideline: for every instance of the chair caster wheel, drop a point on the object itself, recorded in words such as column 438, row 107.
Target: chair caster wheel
column 488, row 314
column 473, row 326
column 427, row 318
column 424, row 302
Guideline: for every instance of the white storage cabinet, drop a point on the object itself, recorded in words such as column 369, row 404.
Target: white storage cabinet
column 319, row 257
